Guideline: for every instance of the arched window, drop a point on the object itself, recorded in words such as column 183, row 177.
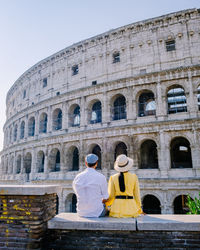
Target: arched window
column 148, row 154
column 57, row 119
column 76, row 116
column 151, row 205
column 19, row 161
column 54, row 160
column 22, row 128
column 180, row 153
column 119, row 108
column 70, row 203
column 40, row 161
column 96, row 113
column 28, row 163
column 198, row 96
column 97, row 151
column 147, row 104
column 176, row 100
column 15, row 132
column 31, row 126
column 120, row 148
column 43, row 123
column 180, row 205
column 75, row 160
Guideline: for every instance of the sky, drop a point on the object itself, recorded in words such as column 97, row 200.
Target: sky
column 31, row 30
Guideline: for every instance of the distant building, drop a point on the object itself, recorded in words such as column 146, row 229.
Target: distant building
column 132, row 90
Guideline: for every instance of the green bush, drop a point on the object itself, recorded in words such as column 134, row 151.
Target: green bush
column 193, row 205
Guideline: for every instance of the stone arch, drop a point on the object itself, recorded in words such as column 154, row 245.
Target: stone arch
column 120, row 148
column 180, row 153
column 15, row 132
column 57, row 119
column 146, row 103
column 118, row 107
column 70, row 203
column 73, row 160
column 95, row 111
column 96, row 149
column 180, row 204
column 74, row 115
column 151, row 204
column 198, row 97
column 18, row 163
column 148, row 154
column 31, row 126
column 176, row 99
column 27, row 163
column 22, row 129
column 54, row 160
column 40, row 161
column 43, row 123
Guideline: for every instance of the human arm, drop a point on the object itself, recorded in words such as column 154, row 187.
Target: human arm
column 136, row 192
column 111, row 192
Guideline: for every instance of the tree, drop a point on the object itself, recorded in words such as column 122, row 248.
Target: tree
column 194, row 205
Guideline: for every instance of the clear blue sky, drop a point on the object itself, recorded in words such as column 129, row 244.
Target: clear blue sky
column 31, row 30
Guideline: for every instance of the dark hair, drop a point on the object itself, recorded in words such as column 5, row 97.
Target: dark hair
column 90, row 165
column 121, row 182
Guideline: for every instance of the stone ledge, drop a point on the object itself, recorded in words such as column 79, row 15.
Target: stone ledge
column 168, row 222
column 28, row 189
column 71, row 221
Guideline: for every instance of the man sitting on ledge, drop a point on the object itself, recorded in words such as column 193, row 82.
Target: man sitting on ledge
column 90, row 188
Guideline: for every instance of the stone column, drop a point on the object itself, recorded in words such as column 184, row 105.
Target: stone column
column 36, row 123
column 82, row 154
column 22, row 163
column 26, row 127
column 160, row 102
column 195, row 153
column 50, row 122
column 63, row 167
column 33, row 163
column 192, row 105
column 65, row 115
column 163, row 156
column 46, row 171
column 83, row 121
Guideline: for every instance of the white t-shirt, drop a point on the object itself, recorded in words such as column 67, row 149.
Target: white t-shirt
column 90, row 188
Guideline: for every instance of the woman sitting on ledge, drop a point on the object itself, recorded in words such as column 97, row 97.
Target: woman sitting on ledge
column 123, row 189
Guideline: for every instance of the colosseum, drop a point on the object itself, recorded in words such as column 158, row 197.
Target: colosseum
column 132, row 90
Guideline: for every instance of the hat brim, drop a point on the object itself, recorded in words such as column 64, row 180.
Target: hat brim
column 124, row 169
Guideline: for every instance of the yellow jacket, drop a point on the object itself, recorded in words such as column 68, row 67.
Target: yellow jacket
column 124, row 207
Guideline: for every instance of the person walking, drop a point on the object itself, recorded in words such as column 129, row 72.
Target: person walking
column 90, row 188
column 124, row 192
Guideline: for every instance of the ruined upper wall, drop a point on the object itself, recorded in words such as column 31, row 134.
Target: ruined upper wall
column 141, row 47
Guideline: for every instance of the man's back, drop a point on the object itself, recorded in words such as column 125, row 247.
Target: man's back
column 90, row 188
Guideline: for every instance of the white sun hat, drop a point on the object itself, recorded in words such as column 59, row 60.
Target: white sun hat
column 123, row 163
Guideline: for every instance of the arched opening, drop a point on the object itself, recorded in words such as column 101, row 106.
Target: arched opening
column 120, row 148
column 57, row 204
column 15, row 133
column 22, row 128
column 180, row 153
column 54, row 160
column 97, row 151
column 75, row 116
column 31, row 126
column 176, row 100
column 75, row 160
column 151, row 205
column 19, row 161
column 96, row 113
column 27, row 163
column 57, row 119
column 148, row 155
column 119, row 108
column 70, row 203
column 40, row 161
column 198, row 97
column 146, row 104
column 180, row 205
column 43, row 123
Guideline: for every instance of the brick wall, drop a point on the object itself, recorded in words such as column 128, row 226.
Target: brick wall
column 88, row 239
column 23, row 220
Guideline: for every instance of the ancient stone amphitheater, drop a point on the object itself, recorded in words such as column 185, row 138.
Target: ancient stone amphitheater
column 132, row 90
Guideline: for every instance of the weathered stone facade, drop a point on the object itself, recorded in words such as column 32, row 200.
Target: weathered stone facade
column 135, row 89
